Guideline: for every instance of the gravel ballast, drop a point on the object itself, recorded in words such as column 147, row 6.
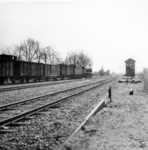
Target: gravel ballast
column 13, row 96
column 50, row 129
column 123, row 125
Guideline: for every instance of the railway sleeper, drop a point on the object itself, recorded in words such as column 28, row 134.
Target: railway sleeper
column 55, row 106
column 14, row 124
column 8, row 108
column 45, row 109
column 3, row 131
column 28, row 118
column 37, row 113
column 51, row 107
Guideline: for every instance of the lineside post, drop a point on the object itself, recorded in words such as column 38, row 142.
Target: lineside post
column 110, row 94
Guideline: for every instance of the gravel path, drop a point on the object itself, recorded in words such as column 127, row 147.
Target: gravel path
column 49, row 130
column 123, row 125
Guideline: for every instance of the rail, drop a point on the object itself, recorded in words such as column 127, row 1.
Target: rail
column 16, row 118
column 3, row 107
column 36, row 85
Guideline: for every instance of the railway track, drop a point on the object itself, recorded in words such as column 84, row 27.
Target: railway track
column 36, row 85
column 14, row 119
column 10, row 105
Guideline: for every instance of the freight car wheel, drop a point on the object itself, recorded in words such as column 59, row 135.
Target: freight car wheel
column 22, row 80
column 55, row 79
column 1, row 81
column 27, row 80
column 13, row 81
column 47, row 79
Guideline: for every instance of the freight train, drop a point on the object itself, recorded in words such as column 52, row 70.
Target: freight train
column 13, row 69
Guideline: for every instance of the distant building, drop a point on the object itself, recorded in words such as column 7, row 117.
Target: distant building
column 101, row 72
column 107, row 72
column 145, row 72
column 130, row 67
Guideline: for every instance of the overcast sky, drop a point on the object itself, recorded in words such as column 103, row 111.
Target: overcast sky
column 109, row 31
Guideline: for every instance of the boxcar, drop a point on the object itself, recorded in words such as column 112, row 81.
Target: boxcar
column 6, row 67
column 21, row 71
column 37, row 71
column 27, row 70
column 79, row 71
column 47, row 71
column 55, row 72
column 63, row 71
column 13, row 69
column 70, row 71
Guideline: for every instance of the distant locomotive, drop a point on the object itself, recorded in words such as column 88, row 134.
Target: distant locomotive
column 130, row 67
column 13, row 69
column 88, row 72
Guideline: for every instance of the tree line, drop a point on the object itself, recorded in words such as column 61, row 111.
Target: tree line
column 30, row 50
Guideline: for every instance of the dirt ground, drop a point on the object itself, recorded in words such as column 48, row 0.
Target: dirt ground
column 123, row 125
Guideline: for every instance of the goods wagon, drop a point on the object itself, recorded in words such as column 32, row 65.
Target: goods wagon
column 63, row 71
column 13, row 69
column 37, row 70
column 70, row 71
column 6, row 67
column 21, row 71
column 27, row 70
column 55, row 72
column 58, row 71
column 47, row 71
column 79, row 71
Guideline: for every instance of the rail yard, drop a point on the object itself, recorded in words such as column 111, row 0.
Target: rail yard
column 79, row 113
column 74, row 75
column 55, row 112
column 121, row 125
column 60, row 118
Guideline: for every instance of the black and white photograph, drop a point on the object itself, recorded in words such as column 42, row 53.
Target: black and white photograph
column 73, row 74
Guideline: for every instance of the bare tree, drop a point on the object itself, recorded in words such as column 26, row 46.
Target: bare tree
column 54, row 57
column 72, row 58
column 49, row 55
column 58, row 59
column 5, row 50
column 17, row 51
column 29, row 49
column 38, row 53
column 78, row 58
column 44, row 54
column 84, row 59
